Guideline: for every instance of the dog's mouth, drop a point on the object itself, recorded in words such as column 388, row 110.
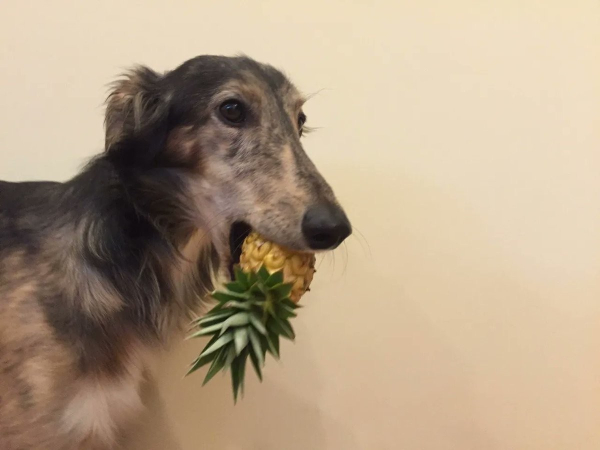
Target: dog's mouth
column 238, row 233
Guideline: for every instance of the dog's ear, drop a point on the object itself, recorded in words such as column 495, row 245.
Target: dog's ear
column 137, row 116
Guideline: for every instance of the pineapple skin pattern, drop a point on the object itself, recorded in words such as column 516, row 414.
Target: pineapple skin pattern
column 298, row 268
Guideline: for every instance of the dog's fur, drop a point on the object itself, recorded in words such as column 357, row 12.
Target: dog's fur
column 97, row 272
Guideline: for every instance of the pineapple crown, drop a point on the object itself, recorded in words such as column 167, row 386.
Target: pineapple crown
column 252, row 312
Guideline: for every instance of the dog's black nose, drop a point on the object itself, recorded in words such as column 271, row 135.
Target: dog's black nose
column 325, row 226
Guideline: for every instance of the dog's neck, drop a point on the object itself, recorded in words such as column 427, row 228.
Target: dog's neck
column 133, row 267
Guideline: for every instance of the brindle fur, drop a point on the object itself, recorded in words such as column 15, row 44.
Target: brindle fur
column 97, row 272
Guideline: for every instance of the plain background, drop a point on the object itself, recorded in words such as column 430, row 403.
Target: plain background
column 463, row 138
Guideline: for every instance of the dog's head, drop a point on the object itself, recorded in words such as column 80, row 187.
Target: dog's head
column 228, row 130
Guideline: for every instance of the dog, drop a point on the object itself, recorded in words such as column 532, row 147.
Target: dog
column 97, row 272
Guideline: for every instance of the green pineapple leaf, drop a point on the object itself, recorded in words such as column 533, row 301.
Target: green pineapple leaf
column 263, row 274
column 206, row 331
column 245, row 305
column 287, row 326
column 252, row 279
column 211, row 317
column 240, row 339
column 256, row 348
column 242, row 368
column 256, row 363
column 272, row 344
column 285, row 312
column 216, row 365
column 236, row 320
column 241, row 277
column 289, row 303
column 235, row 377
column 282, row 291
column 200, row 362
column 280, row 327
column 258, row 290
column 219, row 343
column 236, row 286
column 256, row 322
column 227, row 296
column 275, row 278
column 230, row 357
column 203, row 360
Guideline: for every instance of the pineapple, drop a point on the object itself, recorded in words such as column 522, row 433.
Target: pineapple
column 253, row 310
column 298, row 268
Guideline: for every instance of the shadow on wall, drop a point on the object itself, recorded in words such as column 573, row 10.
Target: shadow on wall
column 269, row 416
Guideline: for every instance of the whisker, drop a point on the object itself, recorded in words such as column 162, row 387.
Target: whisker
column 330, row 256
column 238, row 246
column 333, row 264
column 309, row 129
column 345, row 247
column 314, row 94
column 364, row 239
column 321, row 259
column 214, row 222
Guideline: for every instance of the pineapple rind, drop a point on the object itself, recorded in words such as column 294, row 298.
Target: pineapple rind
column 298, row 268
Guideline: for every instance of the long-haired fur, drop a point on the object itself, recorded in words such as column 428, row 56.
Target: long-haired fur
column 97, row 272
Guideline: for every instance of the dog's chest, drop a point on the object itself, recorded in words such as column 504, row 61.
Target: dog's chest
column 101, row 405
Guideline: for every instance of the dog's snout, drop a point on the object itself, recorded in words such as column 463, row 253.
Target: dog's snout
column 325, row 226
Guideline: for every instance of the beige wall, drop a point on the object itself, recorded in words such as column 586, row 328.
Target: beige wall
column 463, row 138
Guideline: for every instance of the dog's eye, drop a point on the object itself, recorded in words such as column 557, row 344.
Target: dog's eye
column 233, row 112
column 301, row 122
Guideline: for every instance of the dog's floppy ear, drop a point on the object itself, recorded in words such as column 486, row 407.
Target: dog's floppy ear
column 137, row 116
